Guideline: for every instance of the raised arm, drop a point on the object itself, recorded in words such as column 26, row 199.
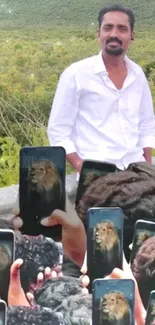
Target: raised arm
column 147, row 123
column 63, row 115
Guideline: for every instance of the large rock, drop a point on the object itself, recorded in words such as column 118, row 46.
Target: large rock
column 8, row 195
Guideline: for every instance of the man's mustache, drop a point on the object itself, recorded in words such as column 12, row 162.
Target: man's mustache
column 114, row 39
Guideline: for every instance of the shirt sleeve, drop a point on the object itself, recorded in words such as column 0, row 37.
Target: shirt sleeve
column 64, row 112
column 147, row 119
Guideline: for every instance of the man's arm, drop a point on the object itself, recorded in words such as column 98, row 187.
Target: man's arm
column 148, row 154
column 63, row 115
column 75, row 161
column 147, row 123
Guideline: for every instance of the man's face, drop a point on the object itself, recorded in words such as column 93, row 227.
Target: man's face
column 115, row 33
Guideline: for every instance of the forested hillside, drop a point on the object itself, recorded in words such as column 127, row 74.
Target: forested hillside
column 19, row 13
column 39, row 39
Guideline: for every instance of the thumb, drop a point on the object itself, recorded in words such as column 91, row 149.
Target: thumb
column 84, row 266
column 15, row 272
column 56, row 218
column 17, row 222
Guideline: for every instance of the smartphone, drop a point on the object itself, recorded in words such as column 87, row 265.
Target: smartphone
column 104, row 241
column 143, row 230
column 3, row 313
column 7, row 257
column 113, row 302
column 41, row 188
column 150, row 316
column 90, row 171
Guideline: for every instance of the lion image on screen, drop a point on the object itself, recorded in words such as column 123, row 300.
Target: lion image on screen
column 151, row 315
column 115, row 309
column 142, row 236
column 107, row 243
column 44, row 188
column 4, row 258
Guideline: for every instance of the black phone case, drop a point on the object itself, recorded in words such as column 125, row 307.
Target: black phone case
column 41, row 188
column 150, row 316
column 104, row 241
column 3, row 313
column 143, row 230
column 90, row 171
column 7, row 257
column 113, row 302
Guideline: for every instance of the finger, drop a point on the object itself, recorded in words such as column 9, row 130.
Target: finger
column 57, row 268
column 85, row 291
column 15, row 270
column 40, row 279
column 16, row 211
column 84, row 280
column 17, row 222
column 54, row 219
column 84, row 266
column 60, row 274
column 47, row 273
column 54, row 275
column 30, row 298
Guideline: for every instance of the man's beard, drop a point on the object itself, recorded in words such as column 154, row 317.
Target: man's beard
column 114, row 51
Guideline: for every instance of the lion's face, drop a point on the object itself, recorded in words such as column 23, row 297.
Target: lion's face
column 142, row 236
column 4, row 257
column 105, row 234
column 153, row 310
column 114, row 305
column 42, row 174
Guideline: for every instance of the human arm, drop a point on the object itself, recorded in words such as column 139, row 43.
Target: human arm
column 63, row 116
column 75, row 161
column 148, row 154
column 147, row 123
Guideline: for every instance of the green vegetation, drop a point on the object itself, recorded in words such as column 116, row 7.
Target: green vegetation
column 36, row 46
column 68, row 13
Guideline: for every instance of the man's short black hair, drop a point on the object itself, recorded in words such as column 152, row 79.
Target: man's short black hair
column 117, row 7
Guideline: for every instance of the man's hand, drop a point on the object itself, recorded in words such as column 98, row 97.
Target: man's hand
column 73, row 232
column 16, row 295
column 140, row 312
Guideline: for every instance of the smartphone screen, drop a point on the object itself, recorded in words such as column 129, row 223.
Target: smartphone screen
column 7, row 256
column 90, row 171
column 104, row 241
column 113, row 302
column 3, row 313
column 143, row 230
column 150, row 316
column 41, row 188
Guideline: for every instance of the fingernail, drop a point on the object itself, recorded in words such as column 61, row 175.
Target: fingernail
column 19, row 262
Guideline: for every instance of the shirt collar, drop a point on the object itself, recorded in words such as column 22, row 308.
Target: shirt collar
column 99, row 65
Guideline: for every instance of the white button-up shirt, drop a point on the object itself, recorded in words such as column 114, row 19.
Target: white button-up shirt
column 92, row 117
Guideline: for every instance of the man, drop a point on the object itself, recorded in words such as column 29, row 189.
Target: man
column 102, row 108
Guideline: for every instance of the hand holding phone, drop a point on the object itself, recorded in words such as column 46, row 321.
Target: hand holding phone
column 150, row 316
column 90, row 171
column 41, row 188
column 3, row 313
column 143, row 230
column 113, row 302
column 104, row 241
column 7, row 257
